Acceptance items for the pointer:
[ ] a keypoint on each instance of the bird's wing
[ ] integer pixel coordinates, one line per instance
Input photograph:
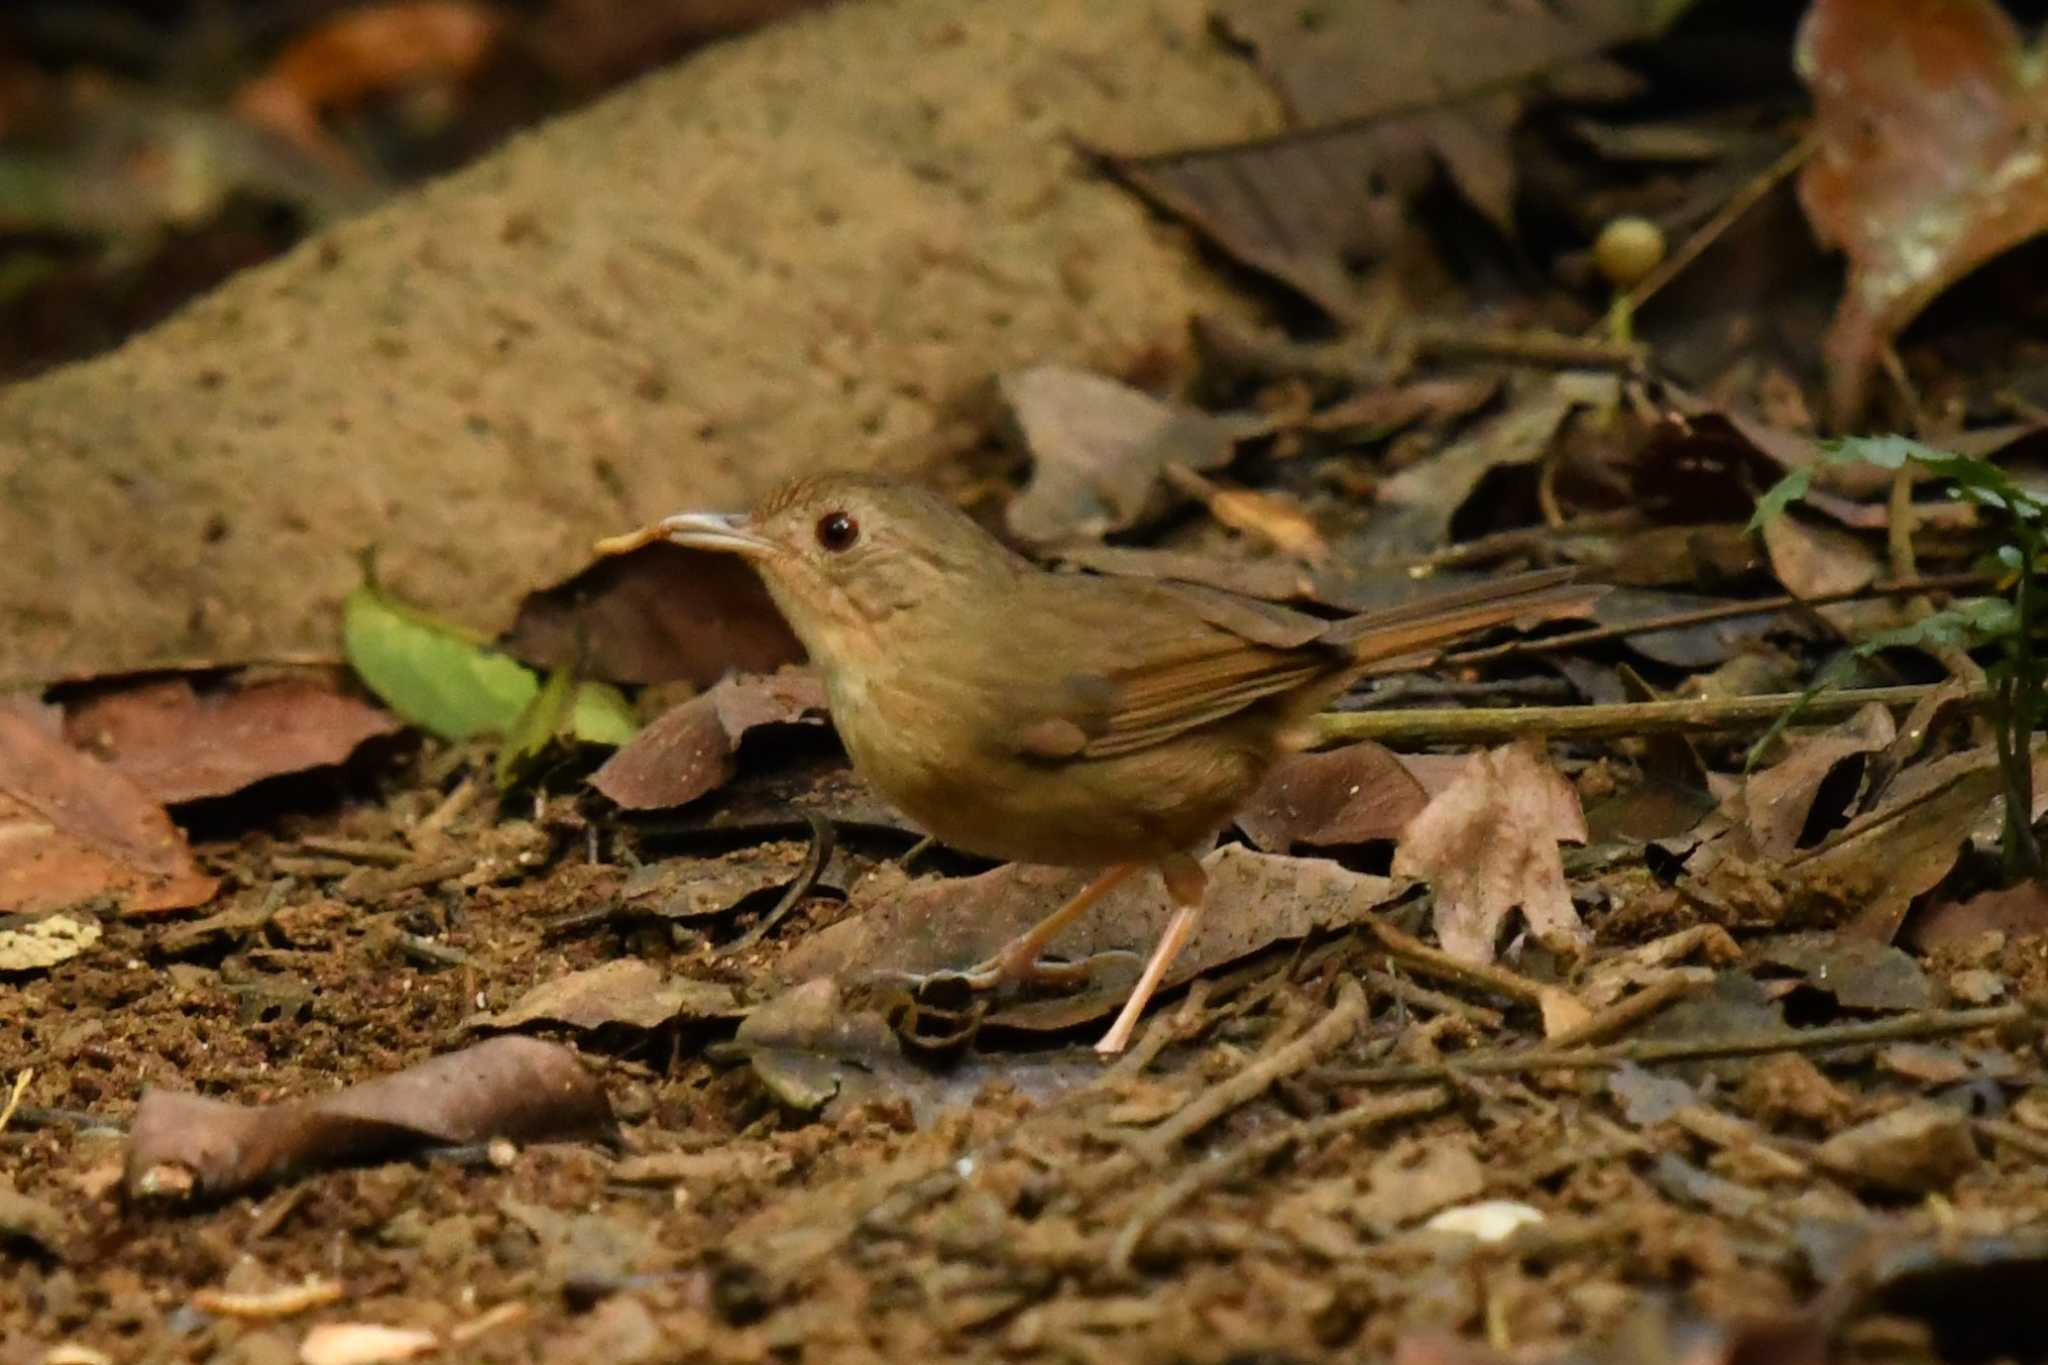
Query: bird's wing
(1172, 670)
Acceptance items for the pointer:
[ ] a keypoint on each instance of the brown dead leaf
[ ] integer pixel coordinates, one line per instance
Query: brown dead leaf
(1294, 207)
(938, 924)
(660, 613)
(1448, 93)
(808, 1046)
(1416, 506)
(1341, 796)
(689, 749)
(518, 1088)
(1869, 872)
(357, 54)
(74, 829)
(1488, 844)
(1271, 518)
(627, 990)
(1813, 560)
(1777, 805)
(699, 888)
(1100, 450)
(2017, 912)
(177, 745)
(1315, 53)
(1861, 975)
(1929, 115)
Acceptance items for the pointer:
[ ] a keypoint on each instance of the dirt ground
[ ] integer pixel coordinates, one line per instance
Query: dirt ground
(1251, 1183)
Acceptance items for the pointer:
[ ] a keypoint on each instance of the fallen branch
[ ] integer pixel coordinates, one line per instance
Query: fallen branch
(1699, 715)
(1649, 1051)
(1156, 1144)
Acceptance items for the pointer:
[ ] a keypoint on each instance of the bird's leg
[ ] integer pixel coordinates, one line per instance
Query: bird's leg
(1185, 883)
(1018, 959)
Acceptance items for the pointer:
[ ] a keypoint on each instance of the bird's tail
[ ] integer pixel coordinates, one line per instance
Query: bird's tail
(1410, 635)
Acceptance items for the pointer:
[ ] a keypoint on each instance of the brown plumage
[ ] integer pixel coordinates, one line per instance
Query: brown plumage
(1044, 717)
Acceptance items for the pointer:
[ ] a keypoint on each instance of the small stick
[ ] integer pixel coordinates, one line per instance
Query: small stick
(1333, 1030)
(14, 1094)
(1710, 231)
(1905, 1028)
(356, 850)
(1436, 962)
(822, 838)
(1696, 715)
(1218, 1169)
(1530, 348)
(1625, 1013)
(1726, 611)
(1406, 991)
(1153, 1146)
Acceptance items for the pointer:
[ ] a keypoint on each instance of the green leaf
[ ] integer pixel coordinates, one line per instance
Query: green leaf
(434, 674)
(1779, 496)
(1887, 452)
(602, 715)
(530, 735)
(1964, 625)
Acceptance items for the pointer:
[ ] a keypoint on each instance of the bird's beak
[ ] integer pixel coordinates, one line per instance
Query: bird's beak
(725, 532)
(731, 532)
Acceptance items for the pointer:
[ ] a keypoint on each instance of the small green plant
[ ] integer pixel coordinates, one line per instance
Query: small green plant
(2016, 702)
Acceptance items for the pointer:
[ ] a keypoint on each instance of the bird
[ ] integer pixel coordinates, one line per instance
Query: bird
(1025, 714)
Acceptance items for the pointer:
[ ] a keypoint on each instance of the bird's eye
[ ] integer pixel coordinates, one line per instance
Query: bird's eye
(837, 531)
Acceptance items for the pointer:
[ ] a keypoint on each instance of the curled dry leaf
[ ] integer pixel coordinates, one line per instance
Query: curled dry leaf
(808, 1046)
(939, 924)
(1341, 796)
(75, 829)
(177, 745)
(1929, 119)
(660, 613)
(689, 749)
(511, 1087)
(1489, 843)
(1099, 450)
(1777, 805)
(625, 991)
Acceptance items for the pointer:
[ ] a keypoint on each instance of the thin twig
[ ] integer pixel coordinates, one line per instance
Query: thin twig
(1439, 342)
(1218, 1169)
(1408, 993)
(822, 839)
(1432, 961)
(1153, 1146)
(1710, 231)
(1626, 1013)
(1725, 611)
(1695, 715)
(1648, 1051)
(14, 1095)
